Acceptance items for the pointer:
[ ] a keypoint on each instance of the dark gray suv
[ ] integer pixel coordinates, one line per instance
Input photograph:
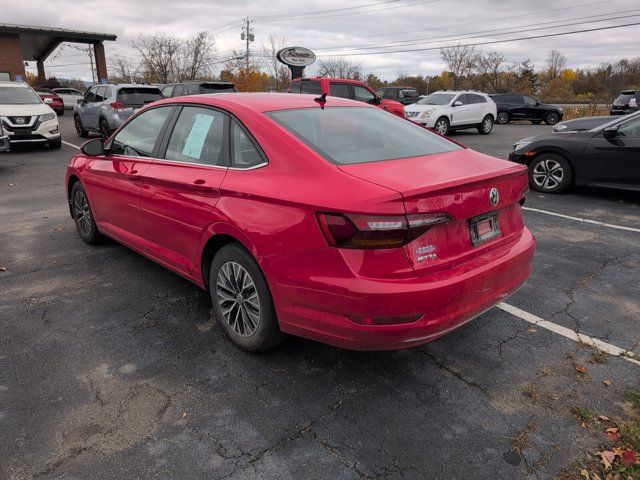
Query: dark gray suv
(105, 107)
(197, 87)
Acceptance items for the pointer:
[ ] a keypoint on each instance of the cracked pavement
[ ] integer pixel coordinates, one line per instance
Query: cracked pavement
(112, 367)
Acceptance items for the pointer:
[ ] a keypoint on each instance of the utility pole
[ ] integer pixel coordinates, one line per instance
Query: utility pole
(248, 36)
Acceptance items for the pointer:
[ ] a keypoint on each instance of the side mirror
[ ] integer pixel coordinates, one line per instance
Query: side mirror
(93, 147)
(376, 100)
(80, 100)
(610, 132)
(48, 101)
(457, 103)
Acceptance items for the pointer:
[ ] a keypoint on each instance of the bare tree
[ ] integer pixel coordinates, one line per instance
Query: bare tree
(195, 57)
(274, 67)
(340, 68)
(555, 64)
(158, 55)
(459, 60)
(490, 67)
(122, 70)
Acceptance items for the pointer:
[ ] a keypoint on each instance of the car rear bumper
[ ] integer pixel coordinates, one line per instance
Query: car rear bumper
(320, 307)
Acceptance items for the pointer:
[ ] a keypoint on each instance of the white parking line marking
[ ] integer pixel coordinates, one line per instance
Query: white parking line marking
(71, 144)
(583, 220)
(568, 333)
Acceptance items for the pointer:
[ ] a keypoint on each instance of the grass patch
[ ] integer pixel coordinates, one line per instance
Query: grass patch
(585, 415)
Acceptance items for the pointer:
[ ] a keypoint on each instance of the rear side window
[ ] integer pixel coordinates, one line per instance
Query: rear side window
(138, 137)
(197, 137)
(244, 153)
(136, 96)
(349, 135)
(476, 98)
(339, 90)
(178, 90)
(310, 87)
(167, 91)
(295, 87)
(192, 89)
(515, 99)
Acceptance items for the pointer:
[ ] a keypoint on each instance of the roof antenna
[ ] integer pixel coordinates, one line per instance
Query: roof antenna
(322, 99)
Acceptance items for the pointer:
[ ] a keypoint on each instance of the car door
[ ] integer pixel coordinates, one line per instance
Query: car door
(338, 89)
(183, 185)
(86, 105)
(616, 160)
(92, 113)
(114, 181)
(461, 114)
(532, 111)
(517, 107)
(477, 108)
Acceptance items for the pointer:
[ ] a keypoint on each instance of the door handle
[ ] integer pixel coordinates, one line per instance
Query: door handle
(133, 177)
(200, 186)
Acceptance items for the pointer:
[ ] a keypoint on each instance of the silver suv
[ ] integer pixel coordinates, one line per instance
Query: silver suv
(105, 107)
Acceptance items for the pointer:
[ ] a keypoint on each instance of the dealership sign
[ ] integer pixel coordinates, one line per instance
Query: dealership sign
(296, 56)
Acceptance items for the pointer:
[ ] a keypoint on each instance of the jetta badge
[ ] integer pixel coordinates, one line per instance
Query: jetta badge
(494, 196)
(20, 120)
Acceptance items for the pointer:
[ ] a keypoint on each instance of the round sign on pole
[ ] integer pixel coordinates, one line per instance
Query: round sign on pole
(296, 56)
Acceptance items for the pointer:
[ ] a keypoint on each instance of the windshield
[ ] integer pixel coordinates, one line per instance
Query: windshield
(620, 119)
(623, 99)
(348, 135)
(138, 96)
(18, 96)
(437, 99)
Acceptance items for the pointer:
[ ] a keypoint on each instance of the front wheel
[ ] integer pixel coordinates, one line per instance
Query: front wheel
(552, 118)
(83, 215)
(441, 126)
(486, 126)
(105, 131)
(242, 301)
(503, 117)
(550, 173)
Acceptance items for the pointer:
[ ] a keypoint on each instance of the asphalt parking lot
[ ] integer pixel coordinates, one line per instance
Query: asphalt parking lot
(111, 366)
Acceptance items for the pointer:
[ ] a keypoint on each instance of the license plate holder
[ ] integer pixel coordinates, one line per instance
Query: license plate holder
(484, 227)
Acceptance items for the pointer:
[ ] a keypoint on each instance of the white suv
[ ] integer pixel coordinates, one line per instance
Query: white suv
(447, 110)
(25, 117)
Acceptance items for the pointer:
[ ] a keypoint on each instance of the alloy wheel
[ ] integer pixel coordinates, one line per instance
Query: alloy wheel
(552, 118)
(441, 127)
(548, 174)
(238, 298)
(487, 125)
(503, 117)
(82, 213)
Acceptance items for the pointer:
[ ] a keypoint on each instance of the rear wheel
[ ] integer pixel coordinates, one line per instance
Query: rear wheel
(442, 126)
(80, 130)
(242, 301)
(83, 215)
(486, 126)
(550, 173)
(503, 117)
(552, 118)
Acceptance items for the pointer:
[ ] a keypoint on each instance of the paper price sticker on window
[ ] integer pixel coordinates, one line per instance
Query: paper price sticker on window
(197, 136)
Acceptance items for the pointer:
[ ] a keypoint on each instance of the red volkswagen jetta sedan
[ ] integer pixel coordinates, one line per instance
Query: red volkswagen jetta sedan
(334, 220)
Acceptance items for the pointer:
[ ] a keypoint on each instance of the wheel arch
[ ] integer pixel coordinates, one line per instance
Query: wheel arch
(563, 153)
(73, 179)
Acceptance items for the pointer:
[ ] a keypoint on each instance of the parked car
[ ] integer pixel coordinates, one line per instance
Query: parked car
(447, 110)
(69, 96)
(26, 118)
(197, 88)
(404, 95)
(105, 107)
(417, 236)
(605, 156)
(52, 99)
(627, 102)
(345, 88)
(518, 106)
(581, 124)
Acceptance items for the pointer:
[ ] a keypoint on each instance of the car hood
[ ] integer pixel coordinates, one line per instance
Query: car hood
(24, 110)
(414, 107)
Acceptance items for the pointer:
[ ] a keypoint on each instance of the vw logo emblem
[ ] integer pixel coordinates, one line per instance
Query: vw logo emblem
(20, 120)
(494, 196)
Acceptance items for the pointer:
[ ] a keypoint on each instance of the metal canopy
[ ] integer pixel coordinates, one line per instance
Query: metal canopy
(37, 43)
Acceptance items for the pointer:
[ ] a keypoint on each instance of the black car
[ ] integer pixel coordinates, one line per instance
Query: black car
(404, 95)
(580, 124)
(627, 102)
(606, 156)
(518, 106)
(197, 88)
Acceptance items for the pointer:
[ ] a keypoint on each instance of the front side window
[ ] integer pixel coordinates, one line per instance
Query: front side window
(340, 90)
(167, 91)
(138, 137)
(530, 101)
(388, 94)
(630, 129)
(463, 99)
(310, 87)
(244, 153)
(363, 94)
(476, 98)
(90, 96)
(100, 94)
(18, 96)
(436, 99)
(197, 137)
(192, 89)
(349, 135)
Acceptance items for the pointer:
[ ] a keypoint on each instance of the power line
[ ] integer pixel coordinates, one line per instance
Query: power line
(267, 17)
(507, 40)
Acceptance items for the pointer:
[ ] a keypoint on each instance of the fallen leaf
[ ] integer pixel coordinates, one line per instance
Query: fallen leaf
(581, 369)
(3, 269)
(583, 424)
(584, 474)
(58, 229)
(184, 414)
(613, 434)
(12, 184)
(532, 330)
(606, 458)
(606, 382)
(630, 457)
(603, 418)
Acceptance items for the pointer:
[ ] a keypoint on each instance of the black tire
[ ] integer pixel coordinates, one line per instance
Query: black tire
(552, 118)
(83, 215)
(550, 173)
(55, 144)
(250, 325)
(105, 130)
(80, 130)
(503, 117)
(61, 113)
(486, 126)
(442, 126)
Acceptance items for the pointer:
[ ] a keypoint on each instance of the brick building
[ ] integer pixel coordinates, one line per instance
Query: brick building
(22, 43)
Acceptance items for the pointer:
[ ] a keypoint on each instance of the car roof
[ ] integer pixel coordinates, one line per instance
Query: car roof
(200, 82)
(460, 91)
(343, 80)
(627, 92)
(263, 102)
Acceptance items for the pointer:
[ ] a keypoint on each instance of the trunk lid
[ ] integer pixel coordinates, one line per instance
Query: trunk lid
(458, 183)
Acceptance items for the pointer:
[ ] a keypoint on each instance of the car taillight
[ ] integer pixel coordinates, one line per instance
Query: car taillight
(346, 230)
(118, 106)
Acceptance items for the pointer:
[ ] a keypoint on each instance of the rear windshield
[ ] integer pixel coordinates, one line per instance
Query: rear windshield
(437, 99)
(213, 88)
(18, 96)
(136, 96)
(623, 99)
(349, 135)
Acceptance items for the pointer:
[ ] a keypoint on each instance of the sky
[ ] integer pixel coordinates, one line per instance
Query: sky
(372, 29)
